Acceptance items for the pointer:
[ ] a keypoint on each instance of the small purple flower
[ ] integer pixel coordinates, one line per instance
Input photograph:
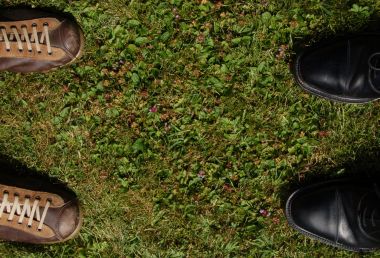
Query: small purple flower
(202, 174)
(153, 109)
(264, 213)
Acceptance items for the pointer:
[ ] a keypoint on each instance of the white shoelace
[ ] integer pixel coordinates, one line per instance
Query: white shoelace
(24, 210)
(24, 37)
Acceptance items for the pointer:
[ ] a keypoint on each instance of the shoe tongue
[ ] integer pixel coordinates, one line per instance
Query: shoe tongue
(369, 216)
(374, 71)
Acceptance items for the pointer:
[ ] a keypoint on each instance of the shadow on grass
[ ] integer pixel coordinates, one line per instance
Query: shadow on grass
(12, 171)
(372, 27)
(10, 167)
(365, 165)
(24, 11)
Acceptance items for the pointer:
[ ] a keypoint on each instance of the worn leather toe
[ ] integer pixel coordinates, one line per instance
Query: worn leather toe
(70, 38)
(70, 220)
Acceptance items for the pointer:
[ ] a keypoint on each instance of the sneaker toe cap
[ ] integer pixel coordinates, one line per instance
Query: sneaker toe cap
(71, 38)
(70, 220)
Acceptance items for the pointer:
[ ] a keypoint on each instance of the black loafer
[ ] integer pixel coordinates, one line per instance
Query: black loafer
(346, 70)
(342, 213)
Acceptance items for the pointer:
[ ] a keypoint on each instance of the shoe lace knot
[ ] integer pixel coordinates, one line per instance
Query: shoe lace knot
(23, 35)
(27, 209)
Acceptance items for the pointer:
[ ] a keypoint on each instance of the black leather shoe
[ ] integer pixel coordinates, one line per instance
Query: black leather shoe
(347, 70)
(342, 213)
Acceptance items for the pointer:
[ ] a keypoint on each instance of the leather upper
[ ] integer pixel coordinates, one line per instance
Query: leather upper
(65, 39)
(343, 213)
(63, 217)
(342, 70)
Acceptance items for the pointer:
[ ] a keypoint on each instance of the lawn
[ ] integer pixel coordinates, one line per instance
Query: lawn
(181, 128)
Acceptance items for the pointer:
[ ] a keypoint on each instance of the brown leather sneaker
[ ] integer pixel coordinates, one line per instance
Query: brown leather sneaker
(33, 40)
(35, 210)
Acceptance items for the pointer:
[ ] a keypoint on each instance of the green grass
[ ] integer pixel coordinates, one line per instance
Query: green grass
(182, 121)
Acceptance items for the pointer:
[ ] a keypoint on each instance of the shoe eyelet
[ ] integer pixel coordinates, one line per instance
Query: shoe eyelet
(24, 26)
(16, 194)
(8, 50)
(5, 192)
(37, 198)
(34, 25)
(29, 226)
(30, 51)
(46, 24)
(27, 196)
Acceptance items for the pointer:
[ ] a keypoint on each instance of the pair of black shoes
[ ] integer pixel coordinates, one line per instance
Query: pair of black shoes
(342, 213)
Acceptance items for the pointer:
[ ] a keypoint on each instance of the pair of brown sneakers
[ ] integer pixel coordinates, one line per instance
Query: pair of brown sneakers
(34, 209)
